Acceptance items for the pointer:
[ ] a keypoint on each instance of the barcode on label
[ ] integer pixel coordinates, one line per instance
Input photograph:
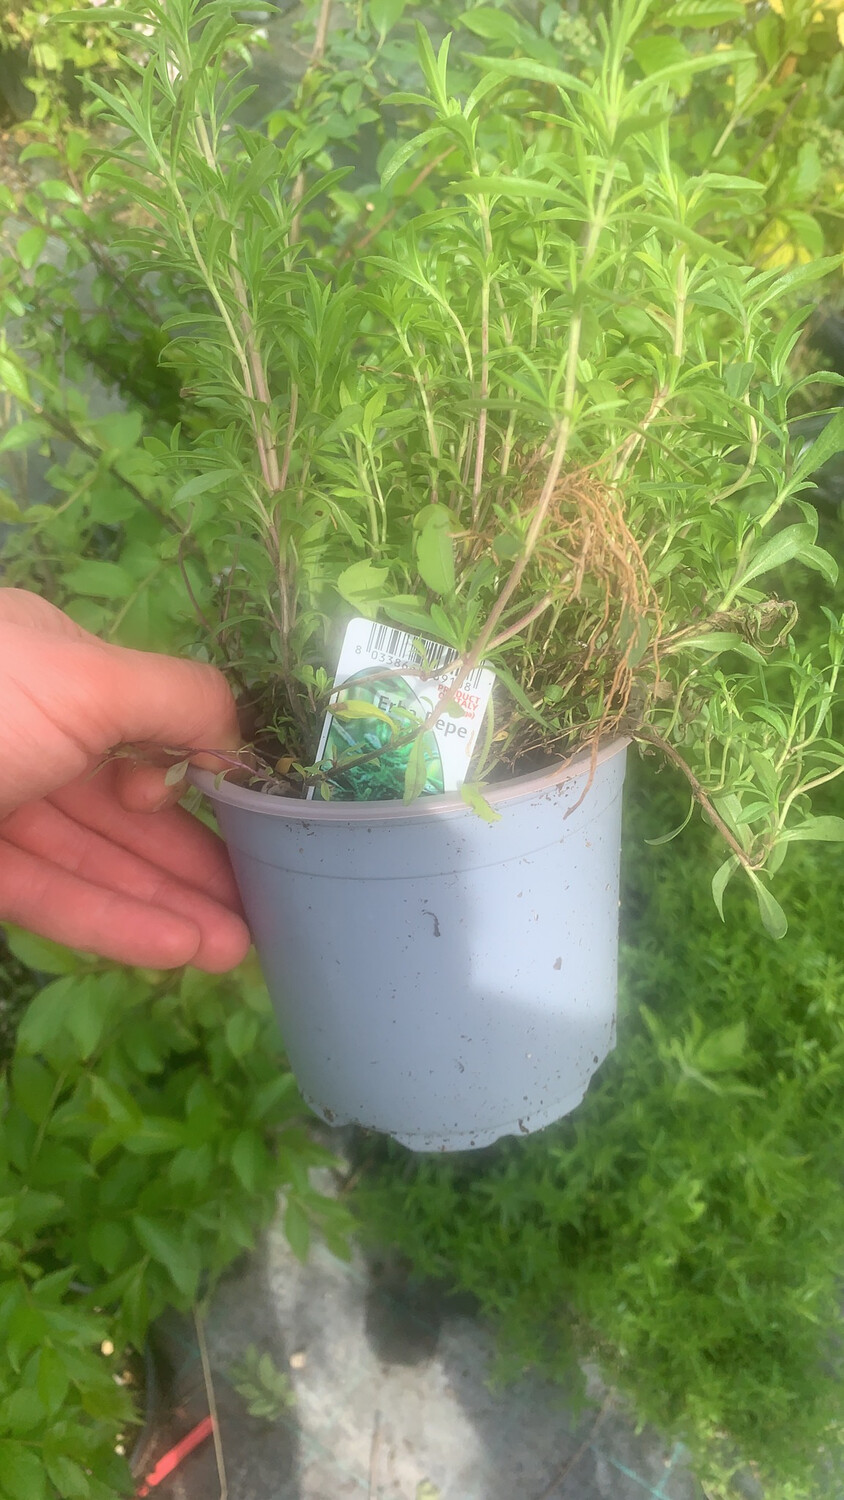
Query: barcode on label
(416, 651)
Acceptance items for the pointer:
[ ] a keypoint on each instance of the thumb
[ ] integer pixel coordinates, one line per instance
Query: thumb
(142, 787)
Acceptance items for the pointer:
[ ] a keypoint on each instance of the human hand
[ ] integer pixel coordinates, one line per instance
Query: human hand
(97, 858)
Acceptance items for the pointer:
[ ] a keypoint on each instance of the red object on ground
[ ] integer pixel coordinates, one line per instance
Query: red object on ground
(180, 1451)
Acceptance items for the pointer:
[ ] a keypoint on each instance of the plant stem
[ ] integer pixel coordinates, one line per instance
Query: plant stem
(248, 353)
(317, 54)
(652, 737)
(777, 126)
(808, 786)
(480, 446)
(65, 429)
(199, 1324)
(291, 433)
(381, 223)
(740, 114)
(522, 624)
(564, 431)
(257, 390)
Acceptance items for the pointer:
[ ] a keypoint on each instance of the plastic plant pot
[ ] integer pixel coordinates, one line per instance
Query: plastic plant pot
(442, 979)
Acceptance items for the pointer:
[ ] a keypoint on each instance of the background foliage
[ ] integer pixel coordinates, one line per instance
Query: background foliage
(648, 615)
(686, 1225)
(147, 1125)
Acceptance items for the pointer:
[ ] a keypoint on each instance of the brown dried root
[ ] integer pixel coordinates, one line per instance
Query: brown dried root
(588, 544)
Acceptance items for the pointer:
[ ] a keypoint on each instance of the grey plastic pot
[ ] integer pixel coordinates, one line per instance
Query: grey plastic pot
(436, 977)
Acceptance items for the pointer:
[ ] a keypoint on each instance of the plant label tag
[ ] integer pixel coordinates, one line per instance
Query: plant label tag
(401, 677)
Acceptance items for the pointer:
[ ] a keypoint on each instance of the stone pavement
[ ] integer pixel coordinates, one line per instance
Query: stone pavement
(391, 1400)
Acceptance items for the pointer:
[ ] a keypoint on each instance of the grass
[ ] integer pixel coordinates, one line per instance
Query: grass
(687, 1223)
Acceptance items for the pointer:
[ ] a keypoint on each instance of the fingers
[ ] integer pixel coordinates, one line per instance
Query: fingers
(172, 839)
(68, 700)
(166, 701)
(20, 607)
(217, 938)
(58, 905)
(142, 788)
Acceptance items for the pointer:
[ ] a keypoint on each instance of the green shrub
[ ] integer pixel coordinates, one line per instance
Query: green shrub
(48, 50)
(147, 1124)
(686, 1223)
(547, 423)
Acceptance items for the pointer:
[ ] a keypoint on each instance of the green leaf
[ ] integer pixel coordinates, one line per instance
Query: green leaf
(385, 13)
(33, 1086)
(472, 795)
(10, 511)
(358, 708)
(782, 548)
(191, 1165)
(176, 773)
(38, 151)
(807, 230)
(297, 1229)
(713, 642)
(52, 1380)
(828, 443)
(809, 172)
(435, 551)
(737, 378)
(821, 561)
(30, 246)
(721, 879)
(416, 771)
(156, 1135)
(773, 917)
(202, 483)
(516, 188)
(403, 153)
(492, 25)
(57, 190)
(99, 580)
(779, 283)
(87, 1015)
(409, 610)
(70, 1480)
(22, 1474)
(34, 1210)
(655, 52)
(667, 838)
(165, 1242)
(517, 692)
(21, 434)
(40, 954)
(724, 1049)
(108, 1243)
(13, 378)
(644, 124)
(241, 1032)
(827, 829)
(249, 1158)
(702, 14)
(361, 583)
(21, 1412)
(119, 430)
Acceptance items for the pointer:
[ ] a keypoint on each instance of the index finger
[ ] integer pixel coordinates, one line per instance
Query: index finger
(168, 701)
(100, 696)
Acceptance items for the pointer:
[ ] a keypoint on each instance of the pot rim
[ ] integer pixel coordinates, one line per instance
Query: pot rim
(448, 803)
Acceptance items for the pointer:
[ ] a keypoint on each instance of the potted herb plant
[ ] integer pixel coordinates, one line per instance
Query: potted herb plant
(538, 422)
